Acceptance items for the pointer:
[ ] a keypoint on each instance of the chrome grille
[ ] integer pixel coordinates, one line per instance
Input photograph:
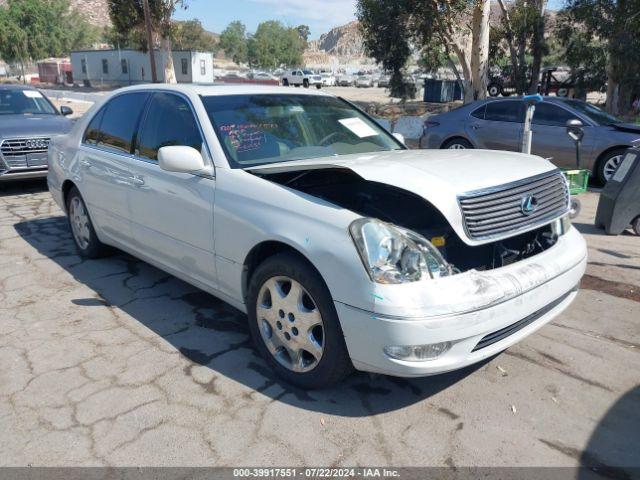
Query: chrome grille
(24, 152)
(502, 210)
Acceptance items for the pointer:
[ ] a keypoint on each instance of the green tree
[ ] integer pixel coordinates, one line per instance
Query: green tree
(273, 45)
(190, 35)
(518, 41)
(127, 17)
(615, 26)
(233, 40)
(392, 29)
(31, 30)
(304, 32)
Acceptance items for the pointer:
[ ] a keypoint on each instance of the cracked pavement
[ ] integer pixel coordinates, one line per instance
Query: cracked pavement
(114, 362)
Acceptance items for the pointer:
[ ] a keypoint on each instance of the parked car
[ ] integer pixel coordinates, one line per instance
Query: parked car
(497, 125)
(328, 79)
(345, 248)
(306, 78)
(262, 76)
(364, 81)
(383, 81)
(28, 121)
(345, 80)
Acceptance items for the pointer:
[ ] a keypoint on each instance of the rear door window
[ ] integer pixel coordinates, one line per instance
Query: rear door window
(169, 121)
(548, 114)
(479, 112)
(120, 121)
(92, 133)
(504, 111)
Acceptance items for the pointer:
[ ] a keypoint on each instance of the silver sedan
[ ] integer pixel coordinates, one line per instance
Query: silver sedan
(498, 124)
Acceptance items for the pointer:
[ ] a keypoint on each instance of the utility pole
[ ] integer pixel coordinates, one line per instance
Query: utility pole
(147, 22)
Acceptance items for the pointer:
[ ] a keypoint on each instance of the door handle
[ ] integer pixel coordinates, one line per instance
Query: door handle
(137, 181)
(476, 127)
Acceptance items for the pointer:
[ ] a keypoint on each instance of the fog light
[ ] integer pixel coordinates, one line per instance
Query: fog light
(417, 353)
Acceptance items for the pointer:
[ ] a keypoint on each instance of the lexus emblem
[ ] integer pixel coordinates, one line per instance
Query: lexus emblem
(529, 204)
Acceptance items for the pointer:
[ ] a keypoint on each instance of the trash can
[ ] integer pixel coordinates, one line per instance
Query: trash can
(442, 91)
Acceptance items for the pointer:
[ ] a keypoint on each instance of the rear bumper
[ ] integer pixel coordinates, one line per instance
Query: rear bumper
(483, 326)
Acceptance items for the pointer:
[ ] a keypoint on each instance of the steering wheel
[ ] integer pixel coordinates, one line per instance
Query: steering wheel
(326, 139)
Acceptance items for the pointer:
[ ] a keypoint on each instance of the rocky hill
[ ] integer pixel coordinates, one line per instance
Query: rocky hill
(343, 41)
(95, 11)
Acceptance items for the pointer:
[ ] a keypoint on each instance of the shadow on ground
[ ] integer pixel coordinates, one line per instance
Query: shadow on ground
(19, 187)
(209, 332)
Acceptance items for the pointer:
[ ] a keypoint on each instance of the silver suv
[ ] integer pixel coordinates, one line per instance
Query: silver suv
(28, 120)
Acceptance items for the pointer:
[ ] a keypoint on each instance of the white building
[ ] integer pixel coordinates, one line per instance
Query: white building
(128, 67)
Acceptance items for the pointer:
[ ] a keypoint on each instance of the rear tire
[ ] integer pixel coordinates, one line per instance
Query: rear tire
(457, 144)
(493, 89)
(635, 224)
(318, 86)
(279, 324)
(82, 231)
(305, 83)
(285, 82)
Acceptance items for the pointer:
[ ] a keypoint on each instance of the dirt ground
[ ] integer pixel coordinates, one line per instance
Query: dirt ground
(113, 362)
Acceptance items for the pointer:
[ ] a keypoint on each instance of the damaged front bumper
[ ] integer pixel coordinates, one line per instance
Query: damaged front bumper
(478, 313)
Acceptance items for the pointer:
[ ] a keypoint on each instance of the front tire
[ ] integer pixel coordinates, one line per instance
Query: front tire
(285, 83)
(294, 324)
(305, 83)
(84, 235)
(457, 144)
(608, 164)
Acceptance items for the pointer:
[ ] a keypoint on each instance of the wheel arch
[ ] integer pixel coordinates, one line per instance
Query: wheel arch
(67, 185)
(261, 252)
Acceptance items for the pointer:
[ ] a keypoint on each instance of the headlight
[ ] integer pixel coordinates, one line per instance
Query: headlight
(394, 255)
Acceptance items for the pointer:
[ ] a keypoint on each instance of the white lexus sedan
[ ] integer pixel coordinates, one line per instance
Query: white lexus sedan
(345, 249)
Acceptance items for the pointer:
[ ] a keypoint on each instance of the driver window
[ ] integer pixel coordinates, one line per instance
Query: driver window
(169, 121)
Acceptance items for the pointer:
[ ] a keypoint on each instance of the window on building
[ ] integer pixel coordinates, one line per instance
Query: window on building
(157, 132)
(120, 120)
(124, 66)
(83, 65)
(105, 66)
(203, 67)
(185, 66)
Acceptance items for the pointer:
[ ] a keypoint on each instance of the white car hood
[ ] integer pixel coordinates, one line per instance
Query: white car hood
(438, 176)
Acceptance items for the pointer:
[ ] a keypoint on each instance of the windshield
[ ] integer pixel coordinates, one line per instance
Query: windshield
(24, 102)
(594, 113)
(262, 129)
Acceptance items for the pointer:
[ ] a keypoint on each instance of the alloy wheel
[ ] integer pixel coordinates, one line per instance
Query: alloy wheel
(290, 324)
(611, 166)
(456, 146)
(79, 223)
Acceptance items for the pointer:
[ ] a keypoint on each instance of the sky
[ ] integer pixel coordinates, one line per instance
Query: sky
(320, 15)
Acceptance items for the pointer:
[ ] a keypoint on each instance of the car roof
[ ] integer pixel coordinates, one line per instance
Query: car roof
(207, 90)
(13, 86)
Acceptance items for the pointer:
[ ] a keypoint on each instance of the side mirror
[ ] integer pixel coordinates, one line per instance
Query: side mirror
(66, 111)
(399, 137)
(180, 159)
(575, 130)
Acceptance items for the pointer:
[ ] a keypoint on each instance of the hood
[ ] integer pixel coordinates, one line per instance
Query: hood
(12, 126)
(438, 176)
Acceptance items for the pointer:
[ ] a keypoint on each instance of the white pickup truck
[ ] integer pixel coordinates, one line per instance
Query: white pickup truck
(298, 77)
